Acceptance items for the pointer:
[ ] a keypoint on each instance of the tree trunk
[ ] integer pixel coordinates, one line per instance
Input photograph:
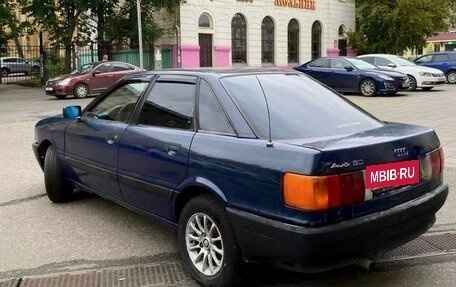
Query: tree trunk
(20, 52)
(67, 58)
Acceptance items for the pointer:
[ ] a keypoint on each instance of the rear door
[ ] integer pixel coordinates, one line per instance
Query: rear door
(153, 153)
(92, 142)
(119, 70)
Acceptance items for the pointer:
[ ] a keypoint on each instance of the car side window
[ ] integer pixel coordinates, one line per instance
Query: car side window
(382, 62)
(118, 67)
(424, 59)
(320, 63)
(169, 105)
(210, 113)
(452, 56)
(338, 64)
(440, 58)
(119, 104)
(103, 68)
(370, 60)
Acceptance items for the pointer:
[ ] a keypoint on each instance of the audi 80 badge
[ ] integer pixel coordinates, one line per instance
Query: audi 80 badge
(248, 166)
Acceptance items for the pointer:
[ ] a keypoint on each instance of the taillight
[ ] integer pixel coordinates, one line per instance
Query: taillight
(431, 164)
(316, 193)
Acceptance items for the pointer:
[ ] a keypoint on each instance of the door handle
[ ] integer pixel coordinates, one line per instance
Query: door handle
(173, 148)
(111, 138)
(110, 76)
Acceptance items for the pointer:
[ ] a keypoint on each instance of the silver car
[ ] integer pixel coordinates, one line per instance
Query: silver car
(16, 65)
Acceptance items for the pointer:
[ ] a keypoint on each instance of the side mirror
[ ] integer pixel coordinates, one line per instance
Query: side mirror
(391, 65)
(96, 72)
(72, 112)
(348, 68)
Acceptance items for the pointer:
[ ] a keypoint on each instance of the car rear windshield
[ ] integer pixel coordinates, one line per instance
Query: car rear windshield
(299, 107)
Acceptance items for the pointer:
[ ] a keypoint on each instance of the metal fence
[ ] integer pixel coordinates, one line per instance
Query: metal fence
(34, 64)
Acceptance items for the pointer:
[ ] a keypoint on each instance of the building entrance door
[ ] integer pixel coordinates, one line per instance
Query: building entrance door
(205, 43)
(342, 47)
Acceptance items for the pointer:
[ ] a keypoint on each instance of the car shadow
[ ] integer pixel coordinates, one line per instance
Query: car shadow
(261, 275)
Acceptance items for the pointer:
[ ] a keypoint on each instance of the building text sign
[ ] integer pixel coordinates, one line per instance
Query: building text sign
(303, 4)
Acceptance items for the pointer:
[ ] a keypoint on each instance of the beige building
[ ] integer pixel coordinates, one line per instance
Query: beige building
(225, 33)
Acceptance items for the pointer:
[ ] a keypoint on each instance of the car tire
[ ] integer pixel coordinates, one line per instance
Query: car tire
(5, 72)
(61, 97)
(412, 81)
(427, 88)
(451, 77)
(210, 262)
(57, 187)
(81, 91)
(368, 88)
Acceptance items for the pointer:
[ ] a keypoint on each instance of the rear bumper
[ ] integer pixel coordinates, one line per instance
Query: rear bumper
(317, 249)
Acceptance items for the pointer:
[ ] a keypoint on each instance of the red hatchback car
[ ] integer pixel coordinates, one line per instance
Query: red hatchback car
(89, 80)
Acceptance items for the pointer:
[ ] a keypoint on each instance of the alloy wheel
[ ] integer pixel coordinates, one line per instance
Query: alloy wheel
(204, 244)
(368, 88)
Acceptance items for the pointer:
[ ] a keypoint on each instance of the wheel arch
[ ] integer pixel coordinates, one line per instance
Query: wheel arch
(192, 188)
(42, 148)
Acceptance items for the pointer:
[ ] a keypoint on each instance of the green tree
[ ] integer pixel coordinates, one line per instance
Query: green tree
(392, 26)
(122, 25)
(64, 21)
(9, 21)
(71, 22)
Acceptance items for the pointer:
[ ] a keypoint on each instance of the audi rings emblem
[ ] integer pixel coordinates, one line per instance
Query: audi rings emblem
(400, 152)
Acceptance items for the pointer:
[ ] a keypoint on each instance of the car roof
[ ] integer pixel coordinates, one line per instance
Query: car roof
(214, 72)
(380, 55)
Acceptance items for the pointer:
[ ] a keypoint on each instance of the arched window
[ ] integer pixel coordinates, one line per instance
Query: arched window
(316, 40)
(267, 41)
(239, 39)
(204, 21)
(293, 41)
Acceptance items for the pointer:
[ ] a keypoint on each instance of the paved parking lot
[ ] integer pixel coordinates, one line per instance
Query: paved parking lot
(38, 237)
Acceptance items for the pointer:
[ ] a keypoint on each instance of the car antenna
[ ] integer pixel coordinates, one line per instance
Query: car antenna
(269, 144)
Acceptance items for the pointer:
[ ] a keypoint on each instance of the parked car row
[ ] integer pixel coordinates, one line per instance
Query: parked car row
(372, 74)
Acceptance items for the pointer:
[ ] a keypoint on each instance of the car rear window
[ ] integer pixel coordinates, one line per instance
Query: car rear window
(299, 107)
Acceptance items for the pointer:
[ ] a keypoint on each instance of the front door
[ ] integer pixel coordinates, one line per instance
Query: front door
(153, 153)
(92, 142)
(205, 43)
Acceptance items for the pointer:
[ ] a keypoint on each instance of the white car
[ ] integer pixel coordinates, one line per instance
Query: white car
(420, 77)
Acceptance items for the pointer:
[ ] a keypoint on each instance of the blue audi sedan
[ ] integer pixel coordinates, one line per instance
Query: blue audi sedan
(353, 75)
(248, 166)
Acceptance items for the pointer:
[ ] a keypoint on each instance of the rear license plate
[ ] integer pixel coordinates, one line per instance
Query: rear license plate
(48, 89)
(392, 174)
(442, 79)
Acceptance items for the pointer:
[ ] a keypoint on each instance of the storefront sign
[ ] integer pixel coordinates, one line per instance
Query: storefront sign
(302, 4)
